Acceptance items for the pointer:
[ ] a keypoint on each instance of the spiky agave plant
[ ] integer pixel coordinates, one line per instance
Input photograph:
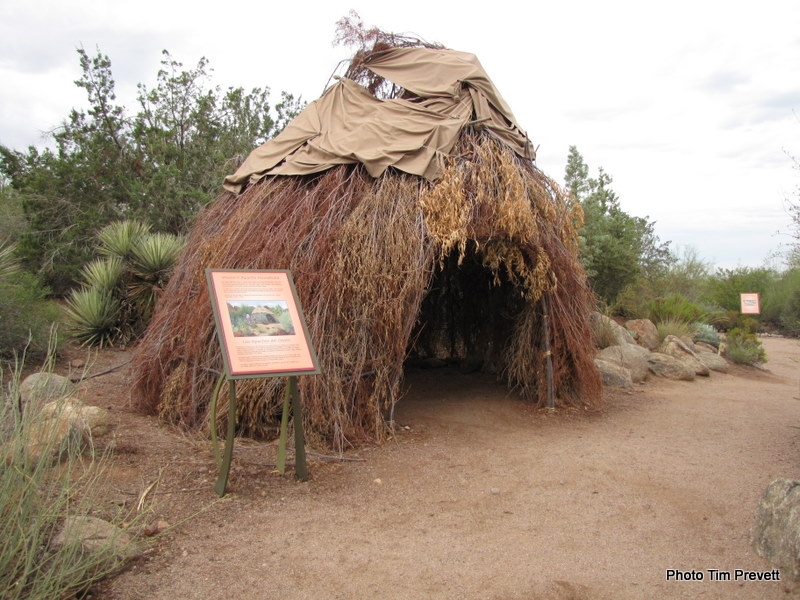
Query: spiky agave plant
(151, 265)
(104, 273)
(120, 238)
(94, 316)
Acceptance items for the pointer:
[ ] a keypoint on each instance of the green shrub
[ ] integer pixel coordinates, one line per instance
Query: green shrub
(36, 495)
(26, 315)
(676, 308)
(747, 324)
(781, 306)
(744, 348)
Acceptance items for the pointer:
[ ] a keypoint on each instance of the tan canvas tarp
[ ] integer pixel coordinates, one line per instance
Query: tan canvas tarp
(448, 89)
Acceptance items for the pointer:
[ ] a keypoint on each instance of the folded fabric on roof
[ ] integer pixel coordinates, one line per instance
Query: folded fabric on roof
(445, 90)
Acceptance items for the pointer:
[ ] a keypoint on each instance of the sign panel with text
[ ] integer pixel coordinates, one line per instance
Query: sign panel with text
(260, 323)
(750, 304)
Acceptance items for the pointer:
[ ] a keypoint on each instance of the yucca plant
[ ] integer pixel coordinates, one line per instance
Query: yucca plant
(94, 315)
(120, 238)
(104, 273)
(120, 290)
(152, 261)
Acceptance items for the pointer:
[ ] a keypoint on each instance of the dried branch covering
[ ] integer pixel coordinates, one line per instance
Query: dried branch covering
(363, 253)
(351, 31)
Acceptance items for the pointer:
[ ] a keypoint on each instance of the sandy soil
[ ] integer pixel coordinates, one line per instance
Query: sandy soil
(478, 496)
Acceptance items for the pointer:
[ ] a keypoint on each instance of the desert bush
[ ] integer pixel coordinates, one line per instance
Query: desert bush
(703, 332)
(725, 287)
(675, 308)
(26, 315)
(744, 348)
(781, 304)
(747, 324)
(37, 494)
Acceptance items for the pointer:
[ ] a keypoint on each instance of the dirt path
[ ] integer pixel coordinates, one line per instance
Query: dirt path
(479, 497)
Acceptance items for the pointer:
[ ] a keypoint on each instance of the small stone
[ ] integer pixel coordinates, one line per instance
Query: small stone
(495, 491)
(378, 481)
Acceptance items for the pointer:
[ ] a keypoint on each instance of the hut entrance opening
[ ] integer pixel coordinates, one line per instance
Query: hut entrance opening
(467, 316)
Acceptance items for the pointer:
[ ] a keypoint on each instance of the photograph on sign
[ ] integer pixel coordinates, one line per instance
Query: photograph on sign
(750, 304)
(260, 317)
(260, 323)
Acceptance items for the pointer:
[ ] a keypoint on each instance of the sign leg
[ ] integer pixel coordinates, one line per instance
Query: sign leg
(300, 468)
(225, 467)
(281, 466)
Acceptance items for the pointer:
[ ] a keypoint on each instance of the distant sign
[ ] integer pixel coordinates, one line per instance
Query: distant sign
(750, 304)
(260, 323)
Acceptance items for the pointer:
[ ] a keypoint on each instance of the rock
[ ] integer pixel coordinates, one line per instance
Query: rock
(618, 334)
(613, 375)
(155, 528)
(704, 347)
(677, 348)
(50, 438)
(90, 421)
(776, 533)
(106, 542)
(644, 332)
(669, 367)
(60, 425)
(631, 356)
(713, 361)
(39, 388)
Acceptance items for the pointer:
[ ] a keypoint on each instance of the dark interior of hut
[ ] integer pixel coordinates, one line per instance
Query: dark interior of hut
(466, 317)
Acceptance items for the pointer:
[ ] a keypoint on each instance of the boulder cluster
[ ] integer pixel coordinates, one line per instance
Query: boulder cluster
(636, 353)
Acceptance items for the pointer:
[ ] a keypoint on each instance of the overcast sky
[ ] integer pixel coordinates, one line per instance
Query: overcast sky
(691, 106)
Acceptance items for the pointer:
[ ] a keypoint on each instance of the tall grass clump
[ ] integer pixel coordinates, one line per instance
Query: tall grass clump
(673, 326)
(37, 495)
(120, 289)
(675, 308)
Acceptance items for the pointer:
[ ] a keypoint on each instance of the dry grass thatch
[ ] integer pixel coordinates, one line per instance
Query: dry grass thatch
(384, 268)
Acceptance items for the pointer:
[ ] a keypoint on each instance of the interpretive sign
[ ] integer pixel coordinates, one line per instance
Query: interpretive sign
(260, 323)
(263, 333)
(750, 304)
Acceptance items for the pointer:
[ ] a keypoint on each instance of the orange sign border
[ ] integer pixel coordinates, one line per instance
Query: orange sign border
(263, 353)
